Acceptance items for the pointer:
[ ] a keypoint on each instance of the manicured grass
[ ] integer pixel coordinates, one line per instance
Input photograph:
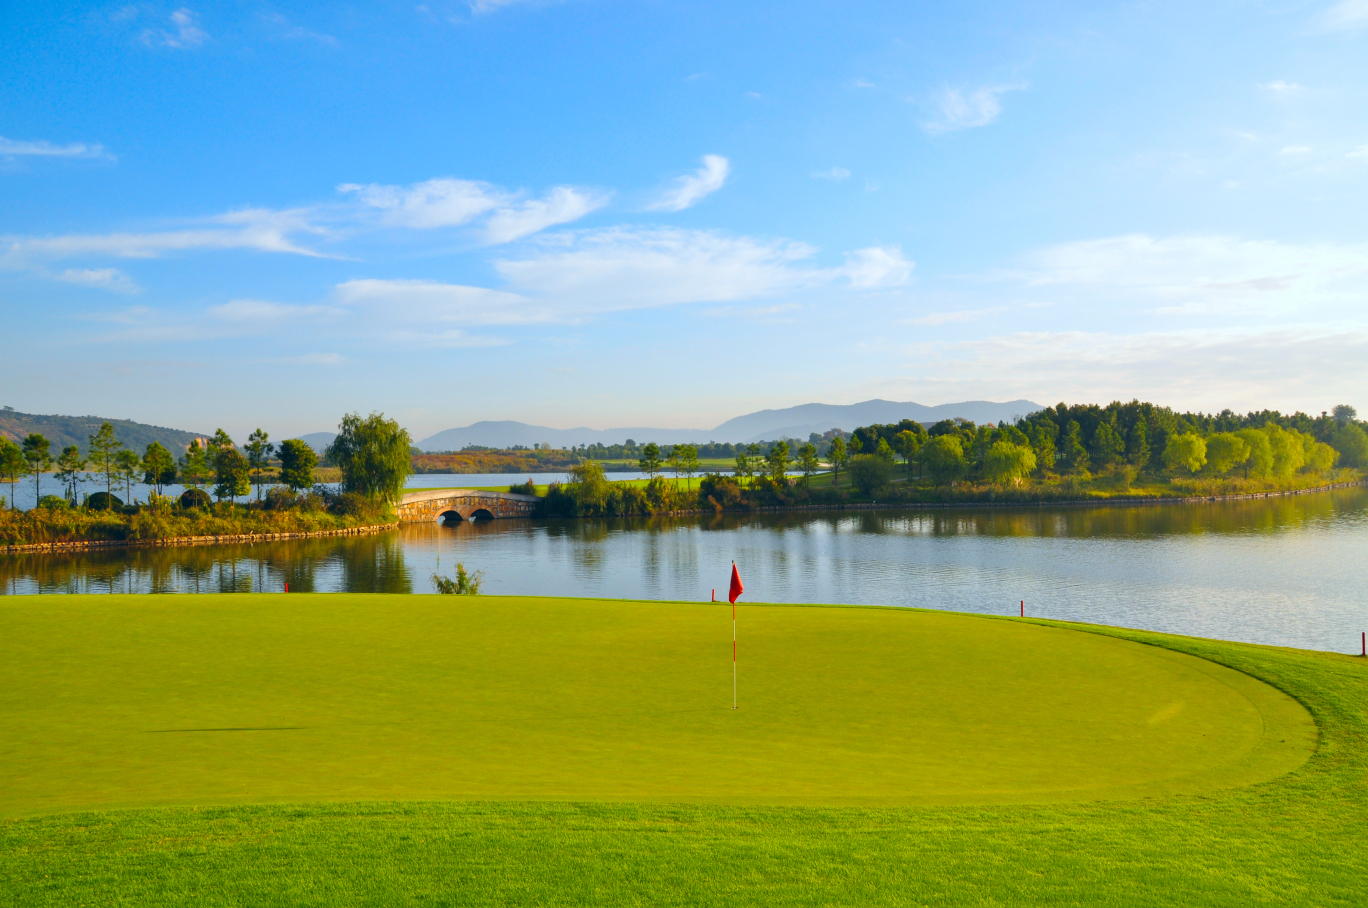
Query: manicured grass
(879, 757)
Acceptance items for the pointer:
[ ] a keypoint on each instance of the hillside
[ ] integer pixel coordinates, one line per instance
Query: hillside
(76, 430)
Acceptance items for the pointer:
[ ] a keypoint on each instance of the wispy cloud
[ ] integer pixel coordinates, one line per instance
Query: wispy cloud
(433, 301)
(877, 267)
(262, 312)
(101, 278)
(449, 202)
(443, 202)
(185, 32)
(958, 108)
(692, 187)
(40, 148)
(561, 205)
(1361, 152)
(1294, 150)
(835, 174)
(260, 229)
(1343, 16)
(285, 30)
(1282, 90)
(962, 315)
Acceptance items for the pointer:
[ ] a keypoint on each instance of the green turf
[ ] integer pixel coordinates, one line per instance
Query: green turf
(827, 787)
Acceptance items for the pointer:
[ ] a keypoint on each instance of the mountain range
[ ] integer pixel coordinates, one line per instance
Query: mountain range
(61, 431)
(764, 425)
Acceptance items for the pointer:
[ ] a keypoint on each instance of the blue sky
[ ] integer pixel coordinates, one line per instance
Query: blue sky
(653, 213)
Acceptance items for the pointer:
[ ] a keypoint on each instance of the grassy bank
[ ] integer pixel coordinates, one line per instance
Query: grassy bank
(137, 524)
(584, 752)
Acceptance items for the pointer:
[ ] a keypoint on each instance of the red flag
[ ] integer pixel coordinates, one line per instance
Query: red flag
(736, 588)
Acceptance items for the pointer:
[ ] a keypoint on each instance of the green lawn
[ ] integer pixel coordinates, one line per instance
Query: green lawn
(406, 750)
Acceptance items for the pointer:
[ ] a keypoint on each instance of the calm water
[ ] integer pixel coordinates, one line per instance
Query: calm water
(1289, 571)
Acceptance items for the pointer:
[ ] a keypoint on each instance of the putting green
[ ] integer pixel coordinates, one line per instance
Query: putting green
(122, 701)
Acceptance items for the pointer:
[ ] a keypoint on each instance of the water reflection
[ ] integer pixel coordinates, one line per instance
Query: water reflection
(1280, 570)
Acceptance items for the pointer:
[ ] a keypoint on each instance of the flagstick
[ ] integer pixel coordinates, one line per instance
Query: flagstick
(733, 655)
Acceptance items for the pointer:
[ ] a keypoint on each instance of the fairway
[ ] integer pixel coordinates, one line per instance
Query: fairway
(112, 701)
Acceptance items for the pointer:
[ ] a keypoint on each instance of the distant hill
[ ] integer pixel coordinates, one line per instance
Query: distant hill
(319, 441)
(765, 425)
(76, 430)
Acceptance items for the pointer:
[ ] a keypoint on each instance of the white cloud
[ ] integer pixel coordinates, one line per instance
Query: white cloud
(963, 315)
(962, 109)
(286, 31)
(1195, 274)
(1285, 368)
(417, 301)
(263, 312)
(1295, 150)
(1360, 152)
(835, 174)
(1344, 16)
(877, 267)
(260, 229)
(443, 202)
(631, 268)
(449, 202)
(1281, 89)
(690, 188)
(862, 83)
(186, 33)
(40, 148)
(561, 205)
(103, 278)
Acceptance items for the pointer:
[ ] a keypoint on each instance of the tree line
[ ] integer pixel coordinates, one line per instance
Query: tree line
(372, 452)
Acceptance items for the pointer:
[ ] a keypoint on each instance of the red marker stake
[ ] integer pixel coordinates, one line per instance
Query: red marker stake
(1365, 644)
(287, 587)
(1023, 608)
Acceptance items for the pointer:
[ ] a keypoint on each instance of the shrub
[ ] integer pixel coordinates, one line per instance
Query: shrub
(871, 473)
(103, 501)
(464, 585)
(53, 503)
(193, 498)
(524, 488)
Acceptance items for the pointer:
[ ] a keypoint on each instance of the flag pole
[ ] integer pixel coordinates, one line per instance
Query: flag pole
(733, 599)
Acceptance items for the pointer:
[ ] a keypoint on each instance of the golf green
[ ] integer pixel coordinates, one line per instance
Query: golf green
(134, 701)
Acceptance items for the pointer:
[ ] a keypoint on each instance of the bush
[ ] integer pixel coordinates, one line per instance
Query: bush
(53, 503)
(103, 501)
(197, 499)
(524, 488)
(280, 498)
(464, 585)
(870, 472)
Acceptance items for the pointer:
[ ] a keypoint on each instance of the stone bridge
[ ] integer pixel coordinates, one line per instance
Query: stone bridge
(466, 504)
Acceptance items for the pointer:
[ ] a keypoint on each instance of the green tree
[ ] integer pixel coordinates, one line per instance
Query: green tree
(1259, 464)
(1108, 445)
(649, 462)
(854, 446)
(870, 473)
(675, 460)
(1071, 449)
(943, 457)
(259, 450)
(1289, 454)
(590, 486)
(104, 451)
(885, 451)
(1137, 445)
(1352, 444)
(742, 469)
(230, 473)
(1006, 462)
(807, 461)
(128, 463)
(12, 465)
(1345, 414)
(195, 467)
(70, 466)
(837, 455)
(1320, 457)
(757, 462)
(297, 462)
(1224, 452)
(688, 460)
(908, 446)
(1042, 436)
(1185, 453)
(159, 467)
(777, 462)
(38, 459)
(374, 456)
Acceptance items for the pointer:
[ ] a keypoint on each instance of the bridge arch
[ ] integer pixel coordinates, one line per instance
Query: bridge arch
(464, 504)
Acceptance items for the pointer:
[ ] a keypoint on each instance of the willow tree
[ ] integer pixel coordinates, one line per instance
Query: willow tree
(374, 455)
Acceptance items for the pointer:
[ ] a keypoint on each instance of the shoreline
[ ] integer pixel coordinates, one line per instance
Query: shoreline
(249, 538)
(178, 541)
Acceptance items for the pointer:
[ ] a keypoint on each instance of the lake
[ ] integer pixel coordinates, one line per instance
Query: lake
(1290, 571)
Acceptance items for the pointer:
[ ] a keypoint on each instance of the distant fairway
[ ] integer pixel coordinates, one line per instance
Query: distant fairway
(113, 701)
